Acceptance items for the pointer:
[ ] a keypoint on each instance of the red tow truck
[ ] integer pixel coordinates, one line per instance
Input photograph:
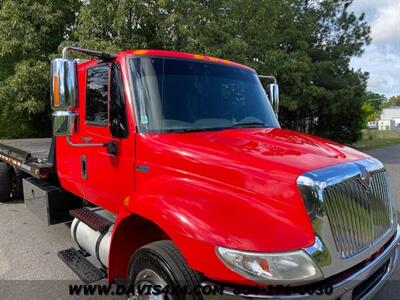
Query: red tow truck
(174, 171)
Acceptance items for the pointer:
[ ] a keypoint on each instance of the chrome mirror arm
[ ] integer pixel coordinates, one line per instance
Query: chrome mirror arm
(273, 78)
(100, 55)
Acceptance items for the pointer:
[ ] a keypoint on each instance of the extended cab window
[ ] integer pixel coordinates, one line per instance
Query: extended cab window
(97, 95)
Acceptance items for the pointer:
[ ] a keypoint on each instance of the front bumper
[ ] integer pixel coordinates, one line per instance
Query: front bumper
(363, 284)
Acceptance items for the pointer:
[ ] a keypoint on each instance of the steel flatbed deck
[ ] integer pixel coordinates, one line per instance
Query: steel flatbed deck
(33, 156)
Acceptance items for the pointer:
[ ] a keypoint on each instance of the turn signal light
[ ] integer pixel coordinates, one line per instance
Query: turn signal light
(56, 94)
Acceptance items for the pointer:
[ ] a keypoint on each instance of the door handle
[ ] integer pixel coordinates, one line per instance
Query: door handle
(83, 167)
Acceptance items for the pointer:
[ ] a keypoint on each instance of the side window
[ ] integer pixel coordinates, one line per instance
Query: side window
(97, 95)
(118, 122)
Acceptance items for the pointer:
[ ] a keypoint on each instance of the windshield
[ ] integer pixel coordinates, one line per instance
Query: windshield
(176, 95)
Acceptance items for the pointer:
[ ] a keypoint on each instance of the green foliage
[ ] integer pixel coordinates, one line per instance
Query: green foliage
(322, 95)
(376, 100)
(307, 44)
(371, 107)
(30, 31)
(370, 113)
(393, 101)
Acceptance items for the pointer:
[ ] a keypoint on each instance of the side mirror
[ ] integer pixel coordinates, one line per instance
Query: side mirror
(64, 85)
(273, 94)
(64, 95)
(63, 123)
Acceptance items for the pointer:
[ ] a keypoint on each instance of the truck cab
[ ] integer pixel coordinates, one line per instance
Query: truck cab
(189, 181)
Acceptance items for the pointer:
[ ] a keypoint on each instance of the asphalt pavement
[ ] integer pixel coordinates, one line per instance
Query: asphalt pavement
(390, 156)
(30, 268)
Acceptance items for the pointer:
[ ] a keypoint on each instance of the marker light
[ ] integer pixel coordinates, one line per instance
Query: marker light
(198, 56)
(140, 52)
(56, 94)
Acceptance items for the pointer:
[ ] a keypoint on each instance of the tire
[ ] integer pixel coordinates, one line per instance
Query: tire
(5, 182)
(17, 191)
(164, 260)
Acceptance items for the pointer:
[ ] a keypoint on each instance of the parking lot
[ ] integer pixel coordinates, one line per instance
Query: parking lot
(391, 158)
(30, 268)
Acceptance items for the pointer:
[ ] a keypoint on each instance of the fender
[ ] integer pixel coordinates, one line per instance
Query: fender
(201, 215)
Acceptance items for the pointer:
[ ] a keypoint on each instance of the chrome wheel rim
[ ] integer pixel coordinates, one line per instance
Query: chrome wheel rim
(145, 281)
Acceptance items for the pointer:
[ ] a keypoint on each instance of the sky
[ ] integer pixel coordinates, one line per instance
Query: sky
(382, 57)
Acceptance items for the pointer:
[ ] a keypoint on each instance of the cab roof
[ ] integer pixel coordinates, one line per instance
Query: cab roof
(176, 54)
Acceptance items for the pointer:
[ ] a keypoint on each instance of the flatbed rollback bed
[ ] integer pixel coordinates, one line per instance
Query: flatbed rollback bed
(33, 161)
(32, 156)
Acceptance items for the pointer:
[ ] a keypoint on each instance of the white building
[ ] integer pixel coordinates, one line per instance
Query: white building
(390, 118)
(386, 125)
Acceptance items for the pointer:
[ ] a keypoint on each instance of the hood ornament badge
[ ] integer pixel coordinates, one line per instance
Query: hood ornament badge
(365, 177)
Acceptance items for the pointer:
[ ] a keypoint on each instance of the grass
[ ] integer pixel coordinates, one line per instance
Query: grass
(376, 139)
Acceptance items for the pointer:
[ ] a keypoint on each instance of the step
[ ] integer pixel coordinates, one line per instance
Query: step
(91, 219)
(86, 271)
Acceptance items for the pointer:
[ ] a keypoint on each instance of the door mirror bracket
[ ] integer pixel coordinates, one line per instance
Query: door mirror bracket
(112, 148)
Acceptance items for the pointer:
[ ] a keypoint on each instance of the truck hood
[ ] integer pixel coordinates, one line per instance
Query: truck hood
(229, 175)
(236, 156)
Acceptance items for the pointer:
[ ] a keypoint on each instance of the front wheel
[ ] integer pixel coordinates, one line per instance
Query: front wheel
(159, 271)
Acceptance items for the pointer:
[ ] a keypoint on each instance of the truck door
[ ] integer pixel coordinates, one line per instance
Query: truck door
(107, 172)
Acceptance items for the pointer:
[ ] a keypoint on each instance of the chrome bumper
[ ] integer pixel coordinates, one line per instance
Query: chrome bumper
(344, 289)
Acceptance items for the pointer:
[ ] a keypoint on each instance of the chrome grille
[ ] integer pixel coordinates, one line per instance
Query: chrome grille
(358, 214)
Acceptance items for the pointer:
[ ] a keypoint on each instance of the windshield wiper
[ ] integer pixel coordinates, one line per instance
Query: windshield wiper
(249, 124)
(237, 125)
(192, 129)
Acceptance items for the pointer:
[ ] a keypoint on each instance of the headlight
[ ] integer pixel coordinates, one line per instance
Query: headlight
(295, 267)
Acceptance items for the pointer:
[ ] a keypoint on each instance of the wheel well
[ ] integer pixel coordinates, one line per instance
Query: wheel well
(131, 233)
(14, 170)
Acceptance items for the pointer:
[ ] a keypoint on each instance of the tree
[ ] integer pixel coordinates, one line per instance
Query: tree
(30, 31)
(393, 101)
(371, 107)
(307, 44)
(217, 28)
(322, 94)
(370, 114)
(376, 100)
